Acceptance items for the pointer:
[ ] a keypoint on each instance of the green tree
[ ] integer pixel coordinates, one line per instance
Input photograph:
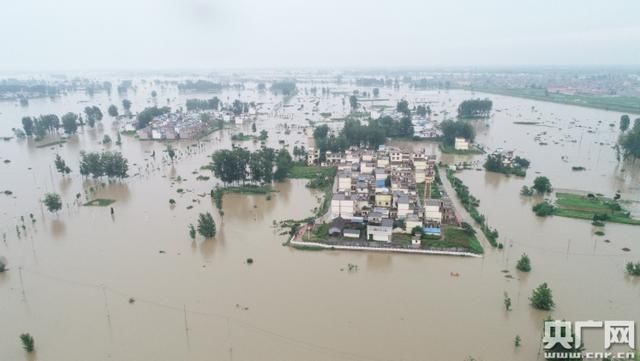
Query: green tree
(106, 139)
(126, 105)
(113, 110)
(192, 232)
(171, 152)
(475, 108)
(456, 129)
(284, 162)
(253, 127)
(206, 225)
(145, 116)
(28, 343)
(507, 302)
(517, 341)
(624, 122)
(110, 164)
(70, 123)
(154, 93)
(27, 125)
(353, 102)
(542, 298)
(93, 114)
(630, 143)
(633, 269)
(61, 165)
(542, 185)
(53, 202)
(403, 107)
(524, 263)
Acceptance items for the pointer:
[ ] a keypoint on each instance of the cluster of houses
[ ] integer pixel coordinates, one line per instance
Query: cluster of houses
(382, 193)
(173, 126)
(185, 125)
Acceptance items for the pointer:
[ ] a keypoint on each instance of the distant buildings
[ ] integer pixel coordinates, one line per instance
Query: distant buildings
(172, 126)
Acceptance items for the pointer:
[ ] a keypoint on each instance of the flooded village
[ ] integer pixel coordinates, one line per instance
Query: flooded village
(307, 216)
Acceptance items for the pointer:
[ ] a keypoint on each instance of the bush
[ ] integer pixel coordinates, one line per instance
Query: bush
(524, 264)
(633, 269)
(543, 209)
(542, 298)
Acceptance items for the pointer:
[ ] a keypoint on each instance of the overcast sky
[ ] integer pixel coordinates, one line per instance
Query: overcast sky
(214, 34)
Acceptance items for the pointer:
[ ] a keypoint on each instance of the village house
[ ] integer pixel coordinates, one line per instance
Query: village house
(461, 144)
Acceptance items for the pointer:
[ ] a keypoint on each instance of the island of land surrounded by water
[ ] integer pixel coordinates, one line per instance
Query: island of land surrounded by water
(117, 256)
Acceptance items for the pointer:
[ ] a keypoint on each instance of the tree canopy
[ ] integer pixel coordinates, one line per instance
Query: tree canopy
(542, 298)
(475, 108)
(53, 202)
(110, 164)
(456, 129)
(70, 123)
(206, 225)
(145, 116)
(203, 104)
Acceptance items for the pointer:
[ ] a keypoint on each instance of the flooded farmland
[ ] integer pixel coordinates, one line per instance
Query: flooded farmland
(133, 286)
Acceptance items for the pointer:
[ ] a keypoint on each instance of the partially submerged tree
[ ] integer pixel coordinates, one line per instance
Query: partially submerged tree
(28, 343)
(206, 225)
(524, 263)
(61, 165)
(171, 152)
(53, 202)
(113, 110)
(542, 298)
(542, 185)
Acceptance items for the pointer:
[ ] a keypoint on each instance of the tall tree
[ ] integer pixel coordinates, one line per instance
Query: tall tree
(206, 225)
(624, 122)
(70, 123)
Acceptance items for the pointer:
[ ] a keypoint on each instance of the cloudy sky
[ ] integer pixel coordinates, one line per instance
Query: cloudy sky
(214, 34)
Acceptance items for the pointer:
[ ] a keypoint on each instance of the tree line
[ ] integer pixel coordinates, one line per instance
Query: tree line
(240, 165)
(98, 164)
(203, 104)
(475, 108)
(355, 133)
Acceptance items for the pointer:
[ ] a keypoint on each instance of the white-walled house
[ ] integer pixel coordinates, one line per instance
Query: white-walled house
(461, 144)
(342, 205)
(380, 232)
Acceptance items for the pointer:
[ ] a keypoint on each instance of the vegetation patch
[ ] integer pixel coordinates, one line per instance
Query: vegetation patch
(51, 144)
(454, 237)
(592, 207)
(100, 202)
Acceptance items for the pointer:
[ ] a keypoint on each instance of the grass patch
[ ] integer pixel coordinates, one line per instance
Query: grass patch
(309, 172)
(100, 202)
(447, 149)
(454, 237)
(319, 234)
(586, 207)
(608, 102)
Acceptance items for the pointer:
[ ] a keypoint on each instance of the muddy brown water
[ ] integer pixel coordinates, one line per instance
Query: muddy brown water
(72, 274)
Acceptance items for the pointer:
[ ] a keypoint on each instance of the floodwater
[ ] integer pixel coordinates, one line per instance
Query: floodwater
(72, 275)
